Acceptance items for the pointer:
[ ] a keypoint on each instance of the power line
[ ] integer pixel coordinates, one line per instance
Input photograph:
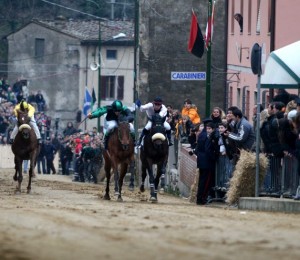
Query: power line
(74, 10)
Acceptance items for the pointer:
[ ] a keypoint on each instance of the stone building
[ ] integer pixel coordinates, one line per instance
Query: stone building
(55, 56)
(164, 35)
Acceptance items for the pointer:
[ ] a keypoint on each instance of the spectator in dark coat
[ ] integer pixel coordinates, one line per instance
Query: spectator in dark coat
(269, 133)
(69, 130)
(205, 151)
(49, 154)
(40, 101)
(31, 98)
(68, 158)
(41, 160)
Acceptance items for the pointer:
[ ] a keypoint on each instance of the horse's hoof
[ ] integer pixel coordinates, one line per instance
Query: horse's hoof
(162, 191)
(17, 192)
(142, 189)
(15, 178)
(131, 187)
(153, 199)
(28, 191)
(117, 193)
(106, 197)
(120, 199)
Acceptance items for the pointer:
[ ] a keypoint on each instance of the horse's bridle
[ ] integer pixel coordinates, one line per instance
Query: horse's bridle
(119, 132)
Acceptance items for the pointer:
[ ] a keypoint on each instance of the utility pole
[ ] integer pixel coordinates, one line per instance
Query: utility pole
(99, 75)
(136, 47)
(208, 63)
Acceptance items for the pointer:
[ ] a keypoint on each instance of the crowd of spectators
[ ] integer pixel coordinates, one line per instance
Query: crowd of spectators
(226, 134)
(10, 95)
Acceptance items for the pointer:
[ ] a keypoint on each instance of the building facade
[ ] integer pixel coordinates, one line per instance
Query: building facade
(56, 57)
(272, 23)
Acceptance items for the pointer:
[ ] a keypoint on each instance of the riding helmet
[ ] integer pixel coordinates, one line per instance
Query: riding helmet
(158, 101)
(117, 106)
(23, 105)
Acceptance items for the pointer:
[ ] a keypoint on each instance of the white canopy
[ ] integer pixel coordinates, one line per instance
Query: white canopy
(283, 68)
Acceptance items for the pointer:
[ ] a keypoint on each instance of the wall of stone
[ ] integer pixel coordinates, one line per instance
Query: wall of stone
(187, 167)
(164, 34)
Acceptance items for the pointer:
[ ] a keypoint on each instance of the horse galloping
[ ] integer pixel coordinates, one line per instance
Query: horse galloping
(155, 150)
(120, 153)
(25, 147)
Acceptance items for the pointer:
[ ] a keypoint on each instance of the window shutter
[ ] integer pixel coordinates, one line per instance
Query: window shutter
(120, 87)
(103, 87)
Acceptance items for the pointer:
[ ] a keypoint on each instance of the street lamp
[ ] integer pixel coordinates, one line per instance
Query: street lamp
(120, 35)
(98, 66)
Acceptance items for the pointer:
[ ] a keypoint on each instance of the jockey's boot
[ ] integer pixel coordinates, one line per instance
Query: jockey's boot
(106, 137)
(143, 133)
(168, 132)
(133, 138)
(40, 141)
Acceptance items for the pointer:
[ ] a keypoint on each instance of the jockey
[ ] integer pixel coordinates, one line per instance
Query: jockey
(151, 108)
(113, 112)
(25, 107)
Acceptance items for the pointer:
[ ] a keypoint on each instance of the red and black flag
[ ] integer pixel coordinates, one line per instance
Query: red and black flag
(196, 41)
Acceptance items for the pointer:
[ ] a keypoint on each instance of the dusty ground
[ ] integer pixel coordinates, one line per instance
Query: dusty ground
(65, 220)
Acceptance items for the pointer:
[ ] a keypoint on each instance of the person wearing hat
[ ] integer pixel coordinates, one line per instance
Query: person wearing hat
(113, 112)
(151, 108)
(25, 107)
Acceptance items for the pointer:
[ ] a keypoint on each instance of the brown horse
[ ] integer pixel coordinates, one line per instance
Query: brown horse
(25, 147)
(155, 150)
(120, 153)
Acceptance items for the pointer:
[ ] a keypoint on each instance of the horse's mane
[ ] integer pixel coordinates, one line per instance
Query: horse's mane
(120, 137)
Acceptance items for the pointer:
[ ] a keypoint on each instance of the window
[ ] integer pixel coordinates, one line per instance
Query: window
(249, 16)
(258, 17)
(245, 101)
(239, 18)
(39, 48)
(111, 54)
(232, 17)
(230, 96)
(112, 87)
(238, 98)
(247, 105)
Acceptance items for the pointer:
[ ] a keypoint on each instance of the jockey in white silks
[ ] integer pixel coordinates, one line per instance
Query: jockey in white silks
(152, 108)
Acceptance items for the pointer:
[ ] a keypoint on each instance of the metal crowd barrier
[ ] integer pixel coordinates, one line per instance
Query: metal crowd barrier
(281, 180)
(290, 177)
(224, 170)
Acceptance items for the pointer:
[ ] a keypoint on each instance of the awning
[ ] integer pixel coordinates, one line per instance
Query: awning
(282, 68)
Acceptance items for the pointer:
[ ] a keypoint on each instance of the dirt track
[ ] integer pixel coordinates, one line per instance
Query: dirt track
(65, 220)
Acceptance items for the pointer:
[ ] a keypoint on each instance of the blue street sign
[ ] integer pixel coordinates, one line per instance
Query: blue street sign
(184, 75)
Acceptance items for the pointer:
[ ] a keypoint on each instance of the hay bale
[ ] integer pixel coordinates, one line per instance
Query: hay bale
(242, 183)
(194, 188)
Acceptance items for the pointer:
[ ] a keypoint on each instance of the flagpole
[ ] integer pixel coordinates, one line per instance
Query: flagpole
(208, 64)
